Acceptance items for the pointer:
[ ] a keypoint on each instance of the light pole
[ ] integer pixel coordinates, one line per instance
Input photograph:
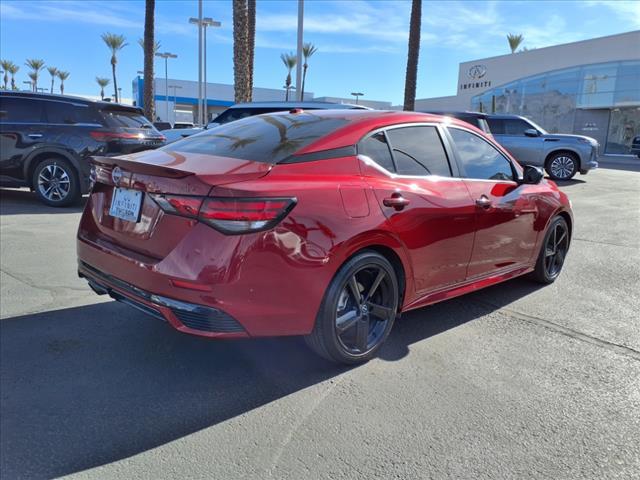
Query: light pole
(166, 56)
(357, 95)
(206, 22)
(175, 87)
(198, 22)
(299, 50)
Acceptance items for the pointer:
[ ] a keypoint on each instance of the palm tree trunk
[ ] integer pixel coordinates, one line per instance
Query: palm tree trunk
(240, 60)
(412, 57)
(101, 93)
(251, 44)
(52, 77)
(13, 82)
(304, 77)
(149, 53)
(61, 87)
(6, 79)
(287, 84)
(115, 82)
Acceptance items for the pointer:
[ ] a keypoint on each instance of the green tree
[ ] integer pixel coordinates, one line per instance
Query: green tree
(103, 82)
(289, 60)
(6, 66)
(62, 76)
(13, 69)
(114, 43)
(36, 65)
(514, 41)
(53, 71)
(411, 77)
(308, 49)
(34, 78)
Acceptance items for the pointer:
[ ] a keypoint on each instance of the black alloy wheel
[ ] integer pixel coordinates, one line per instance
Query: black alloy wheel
(553, 253)
(358, 310)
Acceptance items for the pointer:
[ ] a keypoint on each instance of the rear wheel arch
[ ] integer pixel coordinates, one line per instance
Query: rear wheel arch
(567, 218)
(39, 156)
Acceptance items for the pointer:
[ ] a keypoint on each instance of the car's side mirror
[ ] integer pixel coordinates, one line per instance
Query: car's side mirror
(532, 175)
(531, 132)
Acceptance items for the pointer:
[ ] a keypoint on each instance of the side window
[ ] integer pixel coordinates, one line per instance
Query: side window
(418, 151)
(516, 127)
(69, 114)
(20, 110)
(496, 125)
(479, 158)
(377, 148)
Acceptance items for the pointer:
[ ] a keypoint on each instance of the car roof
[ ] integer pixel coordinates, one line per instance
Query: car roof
(457, 113)
(294, 104)
(361, 122)
(69, 98)
(505, 116)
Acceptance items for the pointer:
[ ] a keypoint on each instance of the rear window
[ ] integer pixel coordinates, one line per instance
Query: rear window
(126, 119)
(266, 138)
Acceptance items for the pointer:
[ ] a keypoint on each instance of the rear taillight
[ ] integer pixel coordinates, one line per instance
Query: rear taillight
(229, 215)
(107, 136)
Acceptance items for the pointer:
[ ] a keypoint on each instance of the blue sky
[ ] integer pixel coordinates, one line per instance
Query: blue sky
(362, 44)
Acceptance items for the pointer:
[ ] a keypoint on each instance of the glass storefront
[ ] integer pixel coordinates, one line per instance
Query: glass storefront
(561, 100)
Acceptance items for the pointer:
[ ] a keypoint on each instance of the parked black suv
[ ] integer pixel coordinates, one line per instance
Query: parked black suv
(45, 141)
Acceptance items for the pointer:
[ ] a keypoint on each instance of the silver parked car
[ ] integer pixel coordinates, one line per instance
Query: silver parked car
(562, 156)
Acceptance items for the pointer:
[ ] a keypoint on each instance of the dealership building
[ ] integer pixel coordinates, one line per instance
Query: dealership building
(591, 87)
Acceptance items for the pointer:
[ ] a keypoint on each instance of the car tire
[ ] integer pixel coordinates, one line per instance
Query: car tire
(56, 182)
(351, 330)
(562, 166)
(553, 252)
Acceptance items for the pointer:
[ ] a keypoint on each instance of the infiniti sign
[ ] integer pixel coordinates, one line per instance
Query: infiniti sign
(116, 175)
(476, 73)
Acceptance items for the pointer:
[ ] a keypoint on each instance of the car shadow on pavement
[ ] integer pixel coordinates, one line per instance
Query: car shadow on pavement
(22, 201)
(87, 386)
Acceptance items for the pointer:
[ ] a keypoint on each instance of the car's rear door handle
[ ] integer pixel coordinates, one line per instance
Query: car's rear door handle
(396, 201)
(484, 201)
(34, 135)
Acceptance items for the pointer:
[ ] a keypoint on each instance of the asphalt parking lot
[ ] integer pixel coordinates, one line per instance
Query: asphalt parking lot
(516, 381)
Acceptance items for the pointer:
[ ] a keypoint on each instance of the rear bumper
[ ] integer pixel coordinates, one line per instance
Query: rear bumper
(183, 316)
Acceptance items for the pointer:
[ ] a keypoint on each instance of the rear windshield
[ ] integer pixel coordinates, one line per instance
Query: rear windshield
(126, 118)
(265, 138)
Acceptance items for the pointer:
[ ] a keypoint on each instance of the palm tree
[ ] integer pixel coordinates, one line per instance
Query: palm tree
(514, 41)
(53, 71)
(103, 82)
(308, 49)
(34, 78)
(150, 47)
(411, 78)
(6, 66)
(13, 69)
(251, 43)
(62, 76)
(35, 64)
(156, 45)
(240, 51)
(115, 43)
(289, 60)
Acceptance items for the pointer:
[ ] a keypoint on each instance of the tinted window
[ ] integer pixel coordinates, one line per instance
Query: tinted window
(480, 159)
(509, 126)
(126, 118)
(23, 110)
(267, 138)
(377, 148)
(233, 114)
(496, 126)
(418, 151)
(67, 113)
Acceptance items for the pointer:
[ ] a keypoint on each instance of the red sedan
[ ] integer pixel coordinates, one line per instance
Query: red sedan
(327, 224)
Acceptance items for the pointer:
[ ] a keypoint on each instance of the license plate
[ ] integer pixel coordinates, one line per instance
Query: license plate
(126, 204)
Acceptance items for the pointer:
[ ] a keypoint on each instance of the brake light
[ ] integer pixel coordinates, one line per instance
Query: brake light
(229, 215)
(106, 136)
